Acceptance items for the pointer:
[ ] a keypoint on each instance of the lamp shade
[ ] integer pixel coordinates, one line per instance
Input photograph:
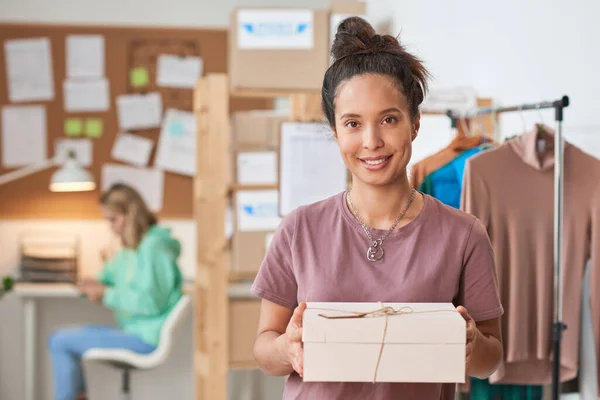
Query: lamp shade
(71, 178)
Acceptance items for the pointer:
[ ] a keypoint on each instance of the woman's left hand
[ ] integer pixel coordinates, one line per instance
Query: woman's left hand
(472, 333)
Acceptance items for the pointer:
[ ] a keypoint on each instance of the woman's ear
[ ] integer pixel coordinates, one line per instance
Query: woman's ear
(333, 132)
(416, 126)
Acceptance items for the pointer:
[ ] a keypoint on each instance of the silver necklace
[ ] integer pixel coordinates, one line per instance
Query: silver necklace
(375, 250)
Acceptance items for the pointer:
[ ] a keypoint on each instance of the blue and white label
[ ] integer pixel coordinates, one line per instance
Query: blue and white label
(257, 210)
(275, 29)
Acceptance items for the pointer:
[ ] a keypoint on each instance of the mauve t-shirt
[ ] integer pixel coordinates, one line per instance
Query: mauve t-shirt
(318, 253)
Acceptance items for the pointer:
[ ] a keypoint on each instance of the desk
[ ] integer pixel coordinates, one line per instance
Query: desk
(31, 292)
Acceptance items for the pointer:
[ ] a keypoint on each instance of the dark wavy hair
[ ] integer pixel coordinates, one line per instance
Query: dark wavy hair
(357, 50)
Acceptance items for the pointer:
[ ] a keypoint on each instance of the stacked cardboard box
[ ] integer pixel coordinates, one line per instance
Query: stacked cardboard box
(256, 148)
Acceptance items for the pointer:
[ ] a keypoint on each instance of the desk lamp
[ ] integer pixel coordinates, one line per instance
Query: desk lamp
(71, 177)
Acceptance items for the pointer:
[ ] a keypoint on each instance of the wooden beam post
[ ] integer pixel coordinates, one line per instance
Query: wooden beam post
(211, 191)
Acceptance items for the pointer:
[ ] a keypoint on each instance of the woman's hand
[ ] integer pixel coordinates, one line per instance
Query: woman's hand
(92, 289)
(293, 335)
(472, 334)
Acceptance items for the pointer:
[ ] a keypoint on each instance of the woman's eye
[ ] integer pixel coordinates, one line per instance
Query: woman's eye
(351, 124)
(389, 120)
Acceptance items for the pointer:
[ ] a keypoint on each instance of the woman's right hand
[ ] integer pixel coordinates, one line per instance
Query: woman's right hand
(293, 335)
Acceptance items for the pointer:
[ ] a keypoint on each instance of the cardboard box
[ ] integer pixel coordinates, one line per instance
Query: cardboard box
(278, 48)
(256, 146)
(256, 216)
(257, 130)
(243, 325)
(342, 9)
(426, 344)
(249, 249)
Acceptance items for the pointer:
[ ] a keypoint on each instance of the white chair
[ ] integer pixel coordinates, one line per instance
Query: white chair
(127, 360)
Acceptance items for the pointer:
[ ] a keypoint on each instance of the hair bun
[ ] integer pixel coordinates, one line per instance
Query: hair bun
(356, 36)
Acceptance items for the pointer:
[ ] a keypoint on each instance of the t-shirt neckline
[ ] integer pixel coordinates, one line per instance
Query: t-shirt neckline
(376, 233)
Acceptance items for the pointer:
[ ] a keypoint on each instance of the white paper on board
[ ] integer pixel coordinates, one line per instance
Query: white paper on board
(257, 168)
(29, 69)
(178, 72)
(147, 181)
(139, 111)
(176, 148)
(275, 29)
(23, 135)
(311, 168)
(132, 149)
(81, 147)
(86, 95)
(85, 56)
(257, 210)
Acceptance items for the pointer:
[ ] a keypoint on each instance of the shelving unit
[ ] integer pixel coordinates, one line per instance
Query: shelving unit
(217, 290)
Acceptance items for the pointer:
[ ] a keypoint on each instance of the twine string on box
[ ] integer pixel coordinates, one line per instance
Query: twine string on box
(383, 311)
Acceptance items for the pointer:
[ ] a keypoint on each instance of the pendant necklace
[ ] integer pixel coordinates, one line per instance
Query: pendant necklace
(375, 250)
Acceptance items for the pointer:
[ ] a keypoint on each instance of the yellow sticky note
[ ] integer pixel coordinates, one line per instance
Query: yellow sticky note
(73, 127)
(94, 127)
(138, 77)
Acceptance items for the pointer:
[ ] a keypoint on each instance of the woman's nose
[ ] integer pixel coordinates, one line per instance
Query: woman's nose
(372, 138)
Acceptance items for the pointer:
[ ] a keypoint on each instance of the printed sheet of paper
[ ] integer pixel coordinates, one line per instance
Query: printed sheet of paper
(311, 168)
(29, 69)
(178, 72)
(176, 149)
(257, 168)
(86, 95)
(139, 111)
(148, 182)
(81, 147)
(257, 210)
(132, 149)
(23, 135)
(85, 56)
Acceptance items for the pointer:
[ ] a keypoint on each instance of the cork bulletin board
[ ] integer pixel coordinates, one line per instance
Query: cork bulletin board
(126, 48)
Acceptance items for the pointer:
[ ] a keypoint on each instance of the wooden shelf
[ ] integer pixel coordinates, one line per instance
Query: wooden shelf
(268, 94)
(241, 277)
(236, 187)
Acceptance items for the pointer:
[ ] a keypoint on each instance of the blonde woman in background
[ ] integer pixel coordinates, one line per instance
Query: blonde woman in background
(141, 283)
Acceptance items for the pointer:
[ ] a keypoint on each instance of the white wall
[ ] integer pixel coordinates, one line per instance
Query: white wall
(514, 52)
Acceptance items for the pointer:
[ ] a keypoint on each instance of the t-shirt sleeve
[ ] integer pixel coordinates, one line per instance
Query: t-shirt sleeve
(276, 280)
(478, 290)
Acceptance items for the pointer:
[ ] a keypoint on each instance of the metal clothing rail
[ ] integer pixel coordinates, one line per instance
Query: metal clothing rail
(558, 105)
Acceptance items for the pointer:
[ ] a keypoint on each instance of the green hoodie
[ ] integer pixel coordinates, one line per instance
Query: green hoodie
(144, 284)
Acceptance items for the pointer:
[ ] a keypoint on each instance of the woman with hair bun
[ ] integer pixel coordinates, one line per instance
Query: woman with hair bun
(140, 284)
(381, 240)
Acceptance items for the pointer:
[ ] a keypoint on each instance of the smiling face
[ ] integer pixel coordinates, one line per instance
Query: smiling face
(374, 129)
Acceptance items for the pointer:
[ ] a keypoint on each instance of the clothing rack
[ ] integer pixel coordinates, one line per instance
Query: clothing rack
(558, 105)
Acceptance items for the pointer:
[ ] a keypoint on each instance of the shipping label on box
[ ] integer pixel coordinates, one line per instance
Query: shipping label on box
(416, 342)
(275, 29)
(257, 210)
(257, 168)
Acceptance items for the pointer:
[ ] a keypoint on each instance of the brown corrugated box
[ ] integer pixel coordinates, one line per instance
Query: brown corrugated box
(257, 130)
(252, 131)
(354, 7)
(243, 323)
(287, 69)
